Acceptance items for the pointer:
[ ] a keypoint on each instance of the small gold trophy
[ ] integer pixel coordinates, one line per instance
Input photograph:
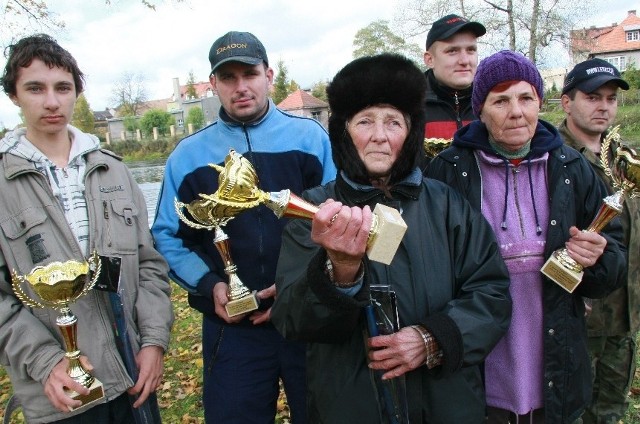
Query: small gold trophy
(238, 191)
(433, 146)
(57, 285)
(208, 216)
(625, 177)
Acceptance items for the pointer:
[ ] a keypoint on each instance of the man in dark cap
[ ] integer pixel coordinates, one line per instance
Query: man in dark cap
(589, 99)
(452, 58)
(244, 355)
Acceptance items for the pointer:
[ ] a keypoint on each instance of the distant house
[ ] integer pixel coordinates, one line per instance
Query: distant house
(100, 118)
(301, 103)
(177, 105)
(617, 44)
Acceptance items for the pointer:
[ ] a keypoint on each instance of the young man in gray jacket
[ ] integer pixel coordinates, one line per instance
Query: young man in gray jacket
(62, 198)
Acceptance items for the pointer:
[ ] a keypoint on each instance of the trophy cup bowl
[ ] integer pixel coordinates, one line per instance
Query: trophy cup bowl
(56, 286)
(433, 146)
(624, 174)
(210, 214)
(239, 191)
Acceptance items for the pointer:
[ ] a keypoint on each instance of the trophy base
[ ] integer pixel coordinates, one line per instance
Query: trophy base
(561, 275)
(243, 305)
(391, 229)
(96, 392)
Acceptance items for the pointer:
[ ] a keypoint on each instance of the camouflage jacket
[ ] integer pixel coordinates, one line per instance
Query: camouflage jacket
(619, 312)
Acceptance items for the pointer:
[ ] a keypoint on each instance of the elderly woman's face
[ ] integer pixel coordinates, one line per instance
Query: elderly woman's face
(511, 115)
(378, 132)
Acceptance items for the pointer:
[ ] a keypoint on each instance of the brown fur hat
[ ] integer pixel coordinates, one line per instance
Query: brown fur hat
(373, 80)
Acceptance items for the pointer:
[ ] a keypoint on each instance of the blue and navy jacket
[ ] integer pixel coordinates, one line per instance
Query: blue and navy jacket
(287, 152)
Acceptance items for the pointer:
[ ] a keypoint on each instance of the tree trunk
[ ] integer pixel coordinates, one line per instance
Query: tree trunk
(533, 32)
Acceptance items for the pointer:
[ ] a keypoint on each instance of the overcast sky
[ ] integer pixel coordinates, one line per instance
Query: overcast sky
(314, 39)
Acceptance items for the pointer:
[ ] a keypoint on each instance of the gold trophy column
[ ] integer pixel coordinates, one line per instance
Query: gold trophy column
(57, 285)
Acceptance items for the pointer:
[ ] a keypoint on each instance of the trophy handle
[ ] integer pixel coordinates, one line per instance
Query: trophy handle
(179, 206)
(95, 265)
(16, 282)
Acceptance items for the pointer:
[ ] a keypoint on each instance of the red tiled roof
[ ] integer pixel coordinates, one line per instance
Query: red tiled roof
(300, 99)
(606, 39)
(201, 89)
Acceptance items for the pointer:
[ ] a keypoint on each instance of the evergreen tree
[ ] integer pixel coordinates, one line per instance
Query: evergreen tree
(280, 83)
(83, 118)
(191, 88)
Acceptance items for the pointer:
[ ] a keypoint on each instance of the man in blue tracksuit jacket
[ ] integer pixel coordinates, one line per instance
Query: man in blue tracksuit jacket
(244, 356)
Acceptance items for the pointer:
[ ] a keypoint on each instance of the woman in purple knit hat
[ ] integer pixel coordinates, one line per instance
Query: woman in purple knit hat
(538, 195)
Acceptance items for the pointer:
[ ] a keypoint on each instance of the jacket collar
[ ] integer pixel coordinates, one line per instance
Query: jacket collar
(228, 120)
(476, 136)
(360, 194)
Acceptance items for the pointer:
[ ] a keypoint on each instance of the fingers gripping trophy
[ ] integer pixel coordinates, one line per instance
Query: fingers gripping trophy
(56, 286)
(622, 165)
(238, 191)
(212, 212)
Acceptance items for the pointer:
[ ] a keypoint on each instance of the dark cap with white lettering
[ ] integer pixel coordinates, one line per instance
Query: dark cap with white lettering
(448, 25)
(237, 47)
(590, 75)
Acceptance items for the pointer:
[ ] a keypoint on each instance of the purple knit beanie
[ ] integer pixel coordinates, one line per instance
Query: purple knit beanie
(500, 67)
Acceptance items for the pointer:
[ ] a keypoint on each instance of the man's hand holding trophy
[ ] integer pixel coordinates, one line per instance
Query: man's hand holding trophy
(622, 165)
(56, 286)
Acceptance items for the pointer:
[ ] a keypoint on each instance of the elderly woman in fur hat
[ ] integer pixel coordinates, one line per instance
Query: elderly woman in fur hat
(537, 194)
(450, 281)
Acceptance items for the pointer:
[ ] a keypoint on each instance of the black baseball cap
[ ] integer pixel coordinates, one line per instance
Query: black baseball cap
(237, 47)
(448, 25)
(589, 75)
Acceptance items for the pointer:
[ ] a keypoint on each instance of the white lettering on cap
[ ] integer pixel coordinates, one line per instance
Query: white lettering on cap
(600, 69)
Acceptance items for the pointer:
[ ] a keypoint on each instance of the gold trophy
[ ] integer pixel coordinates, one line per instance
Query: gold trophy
(238, 191)
(208, 216)
(433, 146)
(624, 173)
(57, 285)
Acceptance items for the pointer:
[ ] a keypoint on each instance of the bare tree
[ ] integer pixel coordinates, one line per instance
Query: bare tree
(129, 93)
(528, 26)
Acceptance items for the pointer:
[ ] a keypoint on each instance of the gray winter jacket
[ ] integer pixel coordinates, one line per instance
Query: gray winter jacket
(36, 233)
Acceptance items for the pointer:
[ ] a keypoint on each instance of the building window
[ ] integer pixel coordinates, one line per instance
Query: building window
(316, 115)
(633, 35)
(619, 62)
(180, 123)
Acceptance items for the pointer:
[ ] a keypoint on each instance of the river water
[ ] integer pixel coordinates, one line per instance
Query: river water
(148, 175)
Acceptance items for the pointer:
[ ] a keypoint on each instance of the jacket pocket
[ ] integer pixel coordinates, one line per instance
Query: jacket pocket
(26, 238)
(120, 226)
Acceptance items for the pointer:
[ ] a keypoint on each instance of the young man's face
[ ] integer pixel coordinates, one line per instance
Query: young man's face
(46, 97)
(454, 60)
(591, 114)
(243, 89)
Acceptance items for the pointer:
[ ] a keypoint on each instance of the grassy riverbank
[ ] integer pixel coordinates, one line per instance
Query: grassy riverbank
(628, 118)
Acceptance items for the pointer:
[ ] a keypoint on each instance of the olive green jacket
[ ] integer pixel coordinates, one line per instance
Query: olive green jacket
(619, 312)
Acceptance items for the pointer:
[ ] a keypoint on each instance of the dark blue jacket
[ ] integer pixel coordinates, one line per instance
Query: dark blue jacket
(575, 195)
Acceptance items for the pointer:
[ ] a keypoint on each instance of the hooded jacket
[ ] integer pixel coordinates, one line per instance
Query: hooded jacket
(35, 232)
(448, 276)
(575, 195)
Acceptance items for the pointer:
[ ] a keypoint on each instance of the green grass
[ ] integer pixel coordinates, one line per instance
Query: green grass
(180, 395)
(628, 118)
